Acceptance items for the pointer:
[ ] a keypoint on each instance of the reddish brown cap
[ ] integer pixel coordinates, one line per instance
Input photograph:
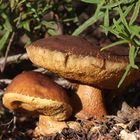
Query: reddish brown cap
(76, 59)
(36, 93)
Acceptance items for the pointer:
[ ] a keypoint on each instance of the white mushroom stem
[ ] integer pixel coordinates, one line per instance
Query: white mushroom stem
(89, 103)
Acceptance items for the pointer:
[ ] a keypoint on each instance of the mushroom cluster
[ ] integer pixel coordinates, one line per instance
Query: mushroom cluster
(77, 60)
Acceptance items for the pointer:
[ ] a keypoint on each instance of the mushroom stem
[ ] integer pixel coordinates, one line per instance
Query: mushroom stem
(47, 125)
(91, 103)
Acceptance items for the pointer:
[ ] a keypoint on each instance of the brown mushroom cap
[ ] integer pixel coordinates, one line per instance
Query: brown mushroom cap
(77, 59)
(33, 92)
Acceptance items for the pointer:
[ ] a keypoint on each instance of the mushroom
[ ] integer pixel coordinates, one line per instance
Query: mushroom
(78, 60)
(37, 94)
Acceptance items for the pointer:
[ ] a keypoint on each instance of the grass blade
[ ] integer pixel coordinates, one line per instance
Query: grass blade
(128, 68)
(91, 1)
(132, 57)
(123, 19)
(118, 27)
(114, 44)
(98, 14)
(110, 29)
(135, 13)
(129, 8)
(137, 41)
(106, 20)
(3, 40)
(113, 4)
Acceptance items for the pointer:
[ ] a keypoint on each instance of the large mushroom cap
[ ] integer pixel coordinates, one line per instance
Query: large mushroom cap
(33, 92)
(77, 59)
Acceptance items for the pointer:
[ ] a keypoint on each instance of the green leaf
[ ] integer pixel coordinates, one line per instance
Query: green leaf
(120, 30)
(46, 8)
(48, 24)
(118, 27)
(132, 57)
(135, 30)
(1, 27)
(97, 15)
(28, 42)
(124, 36)
(106, 20)
(37, 27)
(20, 3)
(12, 4)
(26, 25)
(87, 23)
(52, 32)
(123, 19)
(114, 44)
(128, 68)
(117, 3)
(7, 25)
(129, 8)
(135, 13)
(3, 40)
(28, 4)
(136, 52)
(137, 41)
(92, 1)
(113, 4)
(115, 32)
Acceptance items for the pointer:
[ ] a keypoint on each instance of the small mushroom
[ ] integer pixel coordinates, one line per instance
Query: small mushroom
(35, 93)
(78, 60)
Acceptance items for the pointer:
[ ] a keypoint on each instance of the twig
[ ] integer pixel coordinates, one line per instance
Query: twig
(60, 81)
(59, 27)
(14, 122)
(41, 70)
(9, 44)
(6, 81)
(13, 59)
(64, 83)
(1, 92)
(7, 51)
